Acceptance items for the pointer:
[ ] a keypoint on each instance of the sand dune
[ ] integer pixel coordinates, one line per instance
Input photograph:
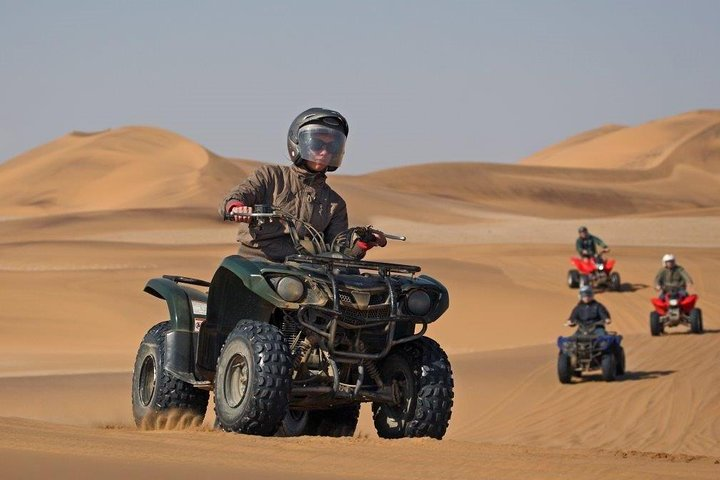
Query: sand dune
(641, 147)
(88, 218)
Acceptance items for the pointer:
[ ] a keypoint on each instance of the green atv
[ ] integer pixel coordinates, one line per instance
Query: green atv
(294, 348)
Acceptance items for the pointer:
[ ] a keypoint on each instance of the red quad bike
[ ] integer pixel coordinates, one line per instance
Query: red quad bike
(596, 272)
(675, 308)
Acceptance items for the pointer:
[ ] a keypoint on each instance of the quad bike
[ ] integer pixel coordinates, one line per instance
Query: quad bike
(586, 351)
(673, 308)
(594, 271)
(294, 348)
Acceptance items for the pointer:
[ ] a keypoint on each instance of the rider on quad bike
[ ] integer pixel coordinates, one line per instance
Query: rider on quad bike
(587, 245)
(674, 305)
(316, 145)
(672, 276)
(588, 310)
(590, 267)
(591, 347)
(296, 331)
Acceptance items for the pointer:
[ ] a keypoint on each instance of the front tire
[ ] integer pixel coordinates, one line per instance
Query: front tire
(615, 282)
(573, 279)
(423, 376)
(656, 327)
(564, 368)
(609, 367)
(696, 325)
(620, 361)
(154, 390)
(252, 382)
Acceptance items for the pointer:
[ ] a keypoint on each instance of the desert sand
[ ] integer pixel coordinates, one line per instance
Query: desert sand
(86, 219)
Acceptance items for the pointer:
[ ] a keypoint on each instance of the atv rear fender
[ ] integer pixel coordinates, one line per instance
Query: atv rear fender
(180, 351)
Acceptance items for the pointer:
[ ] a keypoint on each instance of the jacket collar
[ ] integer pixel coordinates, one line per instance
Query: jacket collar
(307, 177)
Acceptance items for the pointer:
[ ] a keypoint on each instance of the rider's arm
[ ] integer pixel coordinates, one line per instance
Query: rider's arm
(658, 279)
(604, 313)
(575, 315)
(598, 242)
(686, 276)
(578, 246)
(252, 191)
(338, 221)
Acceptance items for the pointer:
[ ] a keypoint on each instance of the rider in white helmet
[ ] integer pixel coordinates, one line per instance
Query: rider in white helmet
(672, 275)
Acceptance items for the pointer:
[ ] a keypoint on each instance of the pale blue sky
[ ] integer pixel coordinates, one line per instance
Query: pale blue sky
(419, 82)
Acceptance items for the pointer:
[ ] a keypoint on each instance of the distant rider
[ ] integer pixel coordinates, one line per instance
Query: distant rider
(589, 311)
(316, 145)
(587, 245)
(672, 275)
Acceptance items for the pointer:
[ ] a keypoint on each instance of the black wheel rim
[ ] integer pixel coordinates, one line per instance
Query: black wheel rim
(236, 380)
(147, 382)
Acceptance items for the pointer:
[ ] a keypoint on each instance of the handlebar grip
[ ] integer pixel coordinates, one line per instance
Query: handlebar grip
(395, 237)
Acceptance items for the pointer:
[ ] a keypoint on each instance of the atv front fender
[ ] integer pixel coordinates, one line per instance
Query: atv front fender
(179, 349)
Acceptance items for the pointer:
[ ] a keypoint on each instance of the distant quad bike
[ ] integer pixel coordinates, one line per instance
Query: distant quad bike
(587, 351)
(675, 308)
(594, 271)
(294, 348)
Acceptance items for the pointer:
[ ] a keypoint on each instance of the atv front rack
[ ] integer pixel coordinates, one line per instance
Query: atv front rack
(381, 267)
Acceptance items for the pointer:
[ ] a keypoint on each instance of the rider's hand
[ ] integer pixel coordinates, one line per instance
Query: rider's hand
(378, 239)
(238, 213)
(373, 238)
(584, 252)
(608, 321)
(658, 287)
(570, 323)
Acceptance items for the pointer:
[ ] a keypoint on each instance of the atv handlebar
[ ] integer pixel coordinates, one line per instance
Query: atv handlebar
(262, 213)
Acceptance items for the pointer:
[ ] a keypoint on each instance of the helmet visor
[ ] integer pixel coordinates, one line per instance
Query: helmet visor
(322, 145)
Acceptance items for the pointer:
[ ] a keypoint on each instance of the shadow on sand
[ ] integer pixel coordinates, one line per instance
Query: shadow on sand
(671, 333)
(632, 287)
(643, 375)
(629, 376)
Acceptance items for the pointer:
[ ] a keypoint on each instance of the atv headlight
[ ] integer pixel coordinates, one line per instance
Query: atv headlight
(419, 303)
(674, 302)
(601, 267)
(290, 289)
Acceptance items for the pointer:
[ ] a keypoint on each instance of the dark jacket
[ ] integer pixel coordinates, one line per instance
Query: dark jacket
(293, 189)
(673, 277)
(590, 312)
(589, 243)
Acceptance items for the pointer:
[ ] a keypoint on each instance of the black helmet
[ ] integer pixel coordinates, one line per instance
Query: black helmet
(585, 291)
(313, 122)
(582, 229)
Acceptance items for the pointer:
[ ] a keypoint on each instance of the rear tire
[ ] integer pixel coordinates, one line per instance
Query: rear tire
(564, 368)
(573, 279)
(253, 378)
(656, 327)
(615, 282)
(609, 367)
(335, 422)
(424, 377)
(696, 325)
(154, 390)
